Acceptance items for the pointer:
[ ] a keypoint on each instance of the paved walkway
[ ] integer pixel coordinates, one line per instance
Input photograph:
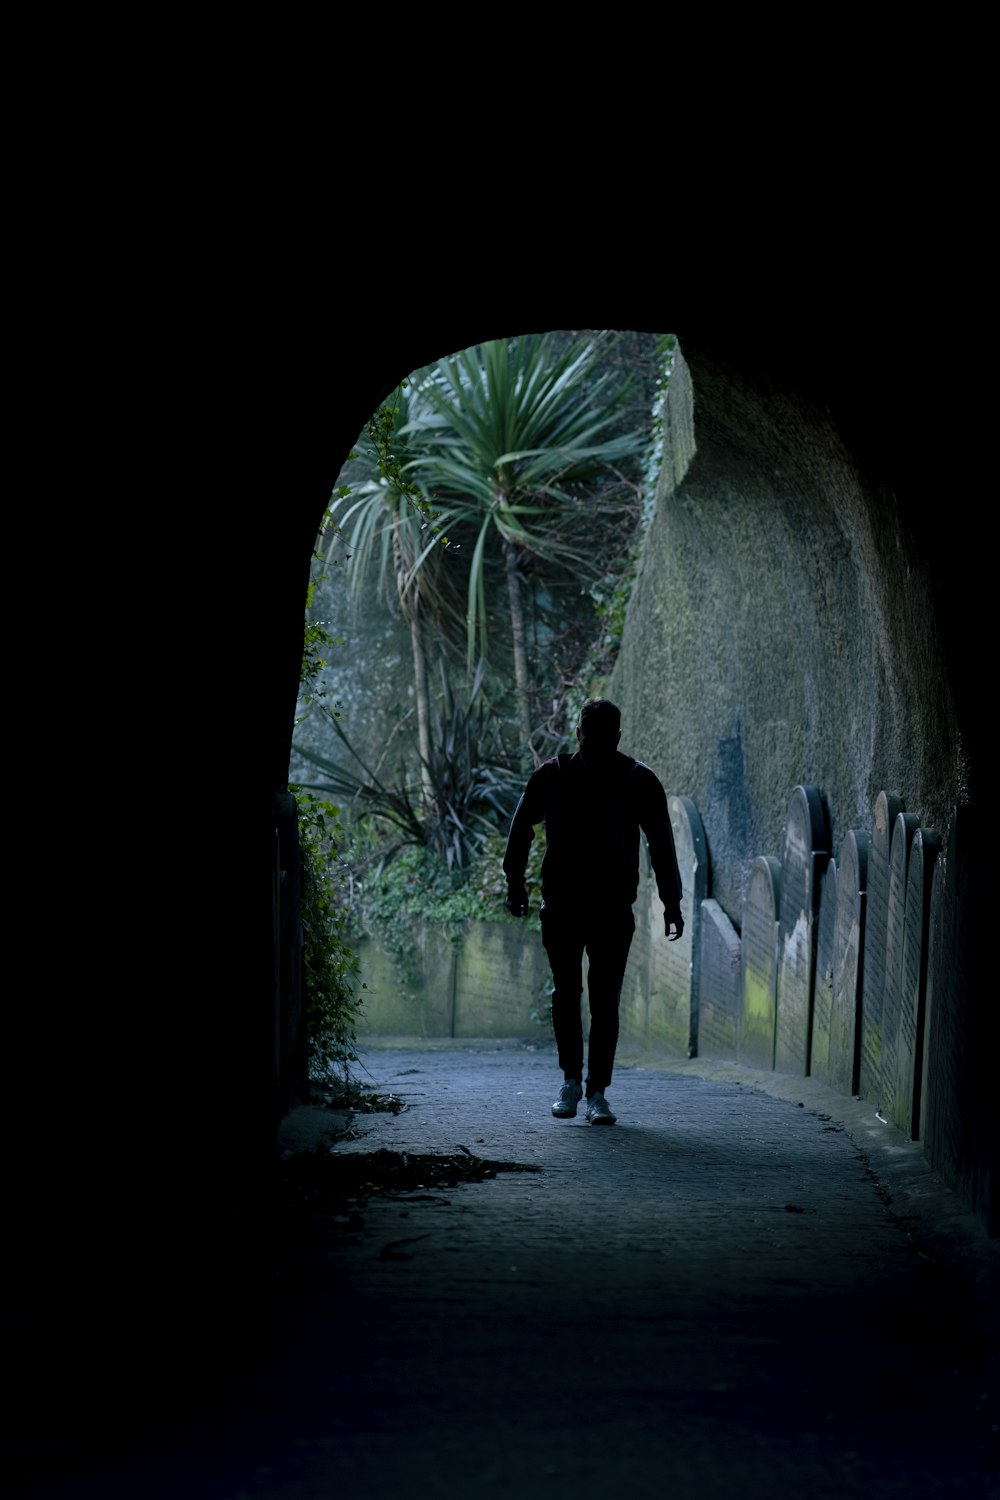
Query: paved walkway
(747, 1287)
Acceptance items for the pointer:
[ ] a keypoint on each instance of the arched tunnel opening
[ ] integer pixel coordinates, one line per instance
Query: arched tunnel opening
(816, 642)
(785, 663)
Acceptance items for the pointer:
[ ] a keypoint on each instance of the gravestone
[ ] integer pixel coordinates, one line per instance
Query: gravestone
(759, 964)
(913, 982)
(672, 1022)
(633, 1010)
(958, 1119)
(943, 1033)
(819, 1046)
(805, 855)
(848, 961)
(888, 806)
(899, 858)
(718, 983)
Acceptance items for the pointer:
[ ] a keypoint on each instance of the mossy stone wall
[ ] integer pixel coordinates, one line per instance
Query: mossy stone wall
(781, 630)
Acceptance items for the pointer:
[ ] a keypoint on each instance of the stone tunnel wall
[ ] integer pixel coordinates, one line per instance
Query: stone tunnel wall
(781, 631)
(781, 635)
(853, 966)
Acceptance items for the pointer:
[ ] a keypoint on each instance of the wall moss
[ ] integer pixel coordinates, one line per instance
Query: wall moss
(781, 631)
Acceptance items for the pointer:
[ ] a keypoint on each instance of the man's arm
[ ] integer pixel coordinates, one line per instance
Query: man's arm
(529, 811)
(654, 820)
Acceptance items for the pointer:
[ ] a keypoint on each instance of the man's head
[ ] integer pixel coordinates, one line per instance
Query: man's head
(599, 729)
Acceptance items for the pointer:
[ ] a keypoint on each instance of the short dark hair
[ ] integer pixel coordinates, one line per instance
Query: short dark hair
(601, 718)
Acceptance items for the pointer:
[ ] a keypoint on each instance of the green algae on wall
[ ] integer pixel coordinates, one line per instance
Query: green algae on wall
(482, 979)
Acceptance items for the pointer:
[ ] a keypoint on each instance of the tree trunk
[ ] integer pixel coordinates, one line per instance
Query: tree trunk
(519, 642)
(423, 701)
(409, 603)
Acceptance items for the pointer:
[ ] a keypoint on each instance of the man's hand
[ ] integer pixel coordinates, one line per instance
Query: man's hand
(673, 919)
(517, 901)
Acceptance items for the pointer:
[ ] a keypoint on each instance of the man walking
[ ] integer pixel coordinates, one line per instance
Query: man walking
(593, 804)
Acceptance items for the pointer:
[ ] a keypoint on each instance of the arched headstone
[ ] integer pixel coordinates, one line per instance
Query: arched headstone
(633, 1008)
(673, 981)
(888, 806)
(759, 963)
(959, 1121)
(718, 983)
(932, 1084)
(899, 858)
(804, 859)
(848, 961)
(819, 1046)
(913, 982)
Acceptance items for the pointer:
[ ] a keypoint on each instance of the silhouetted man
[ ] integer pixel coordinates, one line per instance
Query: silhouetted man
(593, 804)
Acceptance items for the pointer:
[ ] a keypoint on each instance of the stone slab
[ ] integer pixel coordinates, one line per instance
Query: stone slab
(648, 913)
(719, 983)
(888, 806)
(959, 1118)
(913, 983)
(899, 858)
(848, 961)
(819, 1043)
(759, 963)
(673, 981)
(805, 855)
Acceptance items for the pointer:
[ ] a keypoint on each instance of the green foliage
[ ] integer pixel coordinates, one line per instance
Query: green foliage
(613, 590)
(486, 887)
(383, 432)
(392, 804)
(512, 446)
(330, 970)
(418, 888)
(386, 519)
(317, 640)
(473, 786)
(514, 438)
(469, 787)
(394, 894)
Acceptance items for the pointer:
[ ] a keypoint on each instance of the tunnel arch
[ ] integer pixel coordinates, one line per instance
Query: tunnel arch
(138, 1142)
(825, 395)
(810, 646)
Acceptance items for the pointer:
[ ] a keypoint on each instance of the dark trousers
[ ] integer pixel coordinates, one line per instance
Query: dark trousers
(606, 937)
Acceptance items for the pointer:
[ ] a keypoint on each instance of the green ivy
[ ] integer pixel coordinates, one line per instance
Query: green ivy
(330, 969)
(380, 429)
(331, 982)
(417, 889)
(612, 593)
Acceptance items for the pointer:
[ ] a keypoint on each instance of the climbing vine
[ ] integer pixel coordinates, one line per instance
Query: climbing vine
(331, 981)
(611, 593)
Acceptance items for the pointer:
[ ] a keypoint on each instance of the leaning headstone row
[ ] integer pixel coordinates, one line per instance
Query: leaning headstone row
(828, 976)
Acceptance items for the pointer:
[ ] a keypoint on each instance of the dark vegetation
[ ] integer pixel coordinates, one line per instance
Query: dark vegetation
(320, 1195)
(495, 506)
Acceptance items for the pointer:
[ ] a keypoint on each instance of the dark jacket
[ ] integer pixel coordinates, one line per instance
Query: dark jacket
(592, 818)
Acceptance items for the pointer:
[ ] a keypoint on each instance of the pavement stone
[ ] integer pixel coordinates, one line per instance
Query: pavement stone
(748, 1285)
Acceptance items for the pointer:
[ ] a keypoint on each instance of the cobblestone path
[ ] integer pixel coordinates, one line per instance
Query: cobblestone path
(729, 1293)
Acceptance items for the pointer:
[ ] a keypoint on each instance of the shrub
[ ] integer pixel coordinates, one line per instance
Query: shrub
(331, 984)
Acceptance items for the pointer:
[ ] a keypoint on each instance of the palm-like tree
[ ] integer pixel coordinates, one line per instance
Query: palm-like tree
(514, 438)
(381, 521)
(474, 788)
